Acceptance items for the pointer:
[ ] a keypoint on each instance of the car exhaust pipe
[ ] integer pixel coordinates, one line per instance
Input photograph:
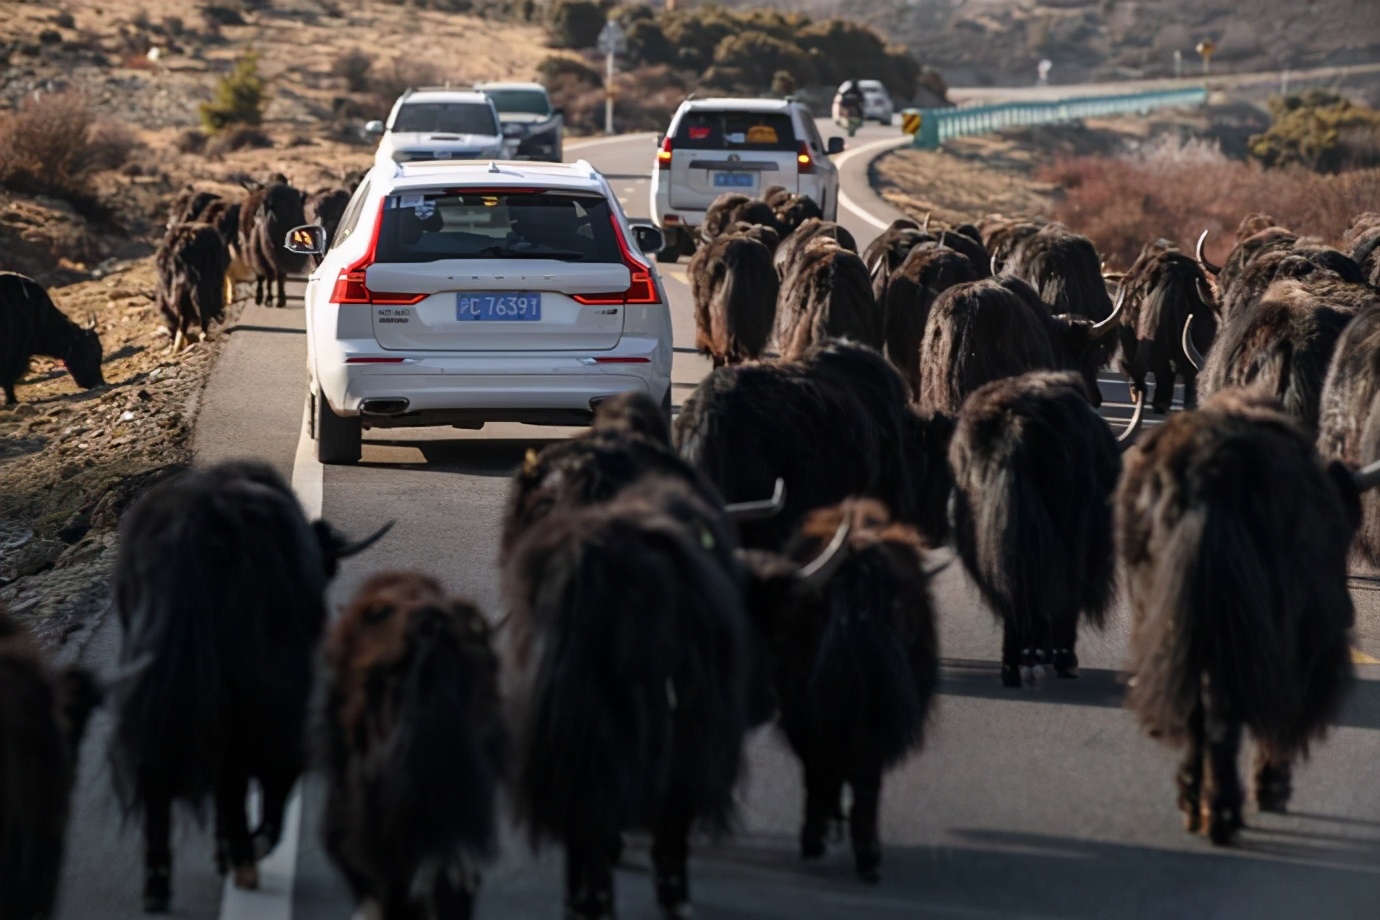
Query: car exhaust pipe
(386, 405)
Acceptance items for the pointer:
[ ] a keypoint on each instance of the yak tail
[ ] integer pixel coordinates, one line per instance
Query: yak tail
(748, 300)
(210, 269)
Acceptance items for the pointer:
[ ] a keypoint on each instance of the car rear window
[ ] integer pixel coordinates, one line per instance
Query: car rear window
(520, 101)
(707, 130)
(496, 224)
(446, 118)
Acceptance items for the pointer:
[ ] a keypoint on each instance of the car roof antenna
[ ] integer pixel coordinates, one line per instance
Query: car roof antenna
(493, 167)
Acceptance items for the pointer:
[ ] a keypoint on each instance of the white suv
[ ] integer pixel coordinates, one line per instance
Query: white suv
(715, 146)
(439, 124)
(458, 294)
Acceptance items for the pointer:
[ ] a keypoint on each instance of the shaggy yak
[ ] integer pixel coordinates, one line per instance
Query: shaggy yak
(928, 271)
(789, 254)
(628, 713)
(192, 261)
(1349, 414)
(266, 216)
(853, 655)
(43, 716)
(734, 287)
(220, 591)
(1363, 236)
(1234, 537)
(1034, 469)
(828, 295)
(414, 747)
(1063, 267)
(31, 325)
(733, 208)
(1163, 289)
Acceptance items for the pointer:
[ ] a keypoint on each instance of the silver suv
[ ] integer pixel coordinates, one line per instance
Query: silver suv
(715, 146)
(532, 129)
(439, 124)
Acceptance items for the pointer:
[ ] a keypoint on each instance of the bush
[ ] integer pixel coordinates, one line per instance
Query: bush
(109, 145)
(54, 146)
(647, 44)
(782, 84)
(240, 137)
(191, 140)
(353, 67)
(239, 99)
(1320, 130)
(574, 23)
(748, 60)
(403, 74)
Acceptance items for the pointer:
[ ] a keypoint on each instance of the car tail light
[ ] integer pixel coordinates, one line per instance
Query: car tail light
(663, 156)
(641, 288)
(350, 286)
(804, 162)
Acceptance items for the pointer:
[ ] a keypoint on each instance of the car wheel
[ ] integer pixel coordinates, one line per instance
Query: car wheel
(670, 250)
(338, 439)
(666, 408)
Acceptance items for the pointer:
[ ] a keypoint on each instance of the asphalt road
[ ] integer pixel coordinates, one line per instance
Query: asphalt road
(1023, 804)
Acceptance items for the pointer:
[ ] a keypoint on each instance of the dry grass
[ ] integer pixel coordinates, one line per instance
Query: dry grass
(54, 145)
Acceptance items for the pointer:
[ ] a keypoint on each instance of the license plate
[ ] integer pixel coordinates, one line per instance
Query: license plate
(505, 307)
(733, 180)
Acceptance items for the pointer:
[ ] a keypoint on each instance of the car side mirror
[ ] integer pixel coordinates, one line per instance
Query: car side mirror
(373, 127)
(659, 139)
(306, 240)
(649, 238)
(835, 146)
(558, 113)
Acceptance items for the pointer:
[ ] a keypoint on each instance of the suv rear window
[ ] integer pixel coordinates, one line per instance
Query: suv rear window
(708, 130)
(497, 224)
(445, 118)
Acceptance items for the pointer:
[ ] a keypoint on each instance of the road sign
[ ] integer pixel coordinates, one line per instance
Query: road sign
(911, 121)
(612, 39)
(1205, 48)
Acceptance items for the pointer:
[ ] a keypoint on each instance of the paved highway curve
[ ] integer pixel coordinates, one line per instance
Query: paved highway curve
(1023, 804)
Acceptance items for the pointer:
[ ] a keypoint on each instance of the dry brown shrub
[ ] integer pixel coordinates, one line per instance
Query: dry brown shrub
(401, 75)
(53, 146)
(239, 137)
(1176, 190)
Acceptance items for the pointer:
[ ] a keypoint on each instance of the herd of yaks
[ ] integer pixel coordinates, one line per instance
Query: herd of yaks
(767, 558)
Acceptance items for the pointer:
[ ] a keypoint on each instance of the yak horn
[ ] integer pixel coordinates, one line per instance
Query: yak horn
(761, 509)
(1367, 477)
(94, 320)
(351, 549)
(926, 224)
(1106, 326)
(820, 569)
(994, 268)
(1202, 260)
(1191, 352)
(1128, 436)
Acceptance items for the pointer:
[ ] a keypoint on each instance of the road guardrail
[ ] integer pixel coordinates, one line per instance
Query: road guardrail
(939, 125)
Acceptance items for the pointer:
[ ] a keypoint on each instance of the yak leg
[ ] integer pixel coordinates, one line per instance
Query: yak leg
(258, 289)
(1010, 655)
(228, 288)
(234, 847)
(282, 288)
(862, 821)
(1274, 773)
(1190, 775)
(10, 398)
(1223, 732)
(276, 785)
(1164, 384)
(588, 880)
(1190, 390)
(452, 897)
(1065, 635)
(671, 855)
(823, 785)
(157, 853)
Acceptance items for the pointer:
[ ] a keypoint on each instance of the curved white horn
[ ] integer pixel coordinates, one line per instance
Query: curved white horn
(994, 265)
(1367, 477)
(1106, 326)
(760, 509)
(1191, 352)
(822, 567)
(1198, 252)
(1128, 436)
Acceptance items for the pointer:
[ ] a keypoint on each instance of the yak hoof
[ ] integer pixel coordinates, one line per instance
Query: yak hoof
(246, 877)
(1222, 824)
(1010, 676)
(1065, 663)
(811, 845)
(158, 890)
(1273, 796)
(673, 895)
(867, 859)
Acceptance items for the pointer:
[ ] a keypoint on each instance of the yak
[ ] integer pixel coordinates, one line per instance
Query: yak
(1163, 288)
(1001, 237)
(629, 653)
(733, 208)
(1363, 237)
(1034, 470)
(835, 423)
(219, 586)
(1283, 343)
(43, 716)
(828, 295)
(414, 747)
(854, 660)
(266, 215)
(787, 256)
(985, 330)
(326, 207)
(1349, 414)
(735, 288)
(1233, 536)
(188, 206)
(30, 324)
(192, 261)
(1063, 267)
(927, 271)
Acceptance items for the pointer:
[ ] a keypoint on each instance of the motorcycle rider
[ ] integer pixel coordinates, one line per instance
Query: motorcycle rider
(851, 104)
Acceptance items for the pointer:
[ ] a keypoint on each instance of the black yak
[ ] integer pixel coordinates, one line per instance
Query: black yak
(326, 206)
(191, 261)
(1163, 288)
(927, 271)
(788, 255)
(266, 215)
(414, 747)
(1363, 236)
(1349, 414)
(1063, 267)
(31, 325)
(1001, 236)
(220, 591)
(732, 208)
(889, 249)
(1233, 537)
(734, 287)
(629, 646)
(986, 330)
(1034, 469)
(43, 716)
(188, 206)
(853, 655)
(827, 295)
(832, 425)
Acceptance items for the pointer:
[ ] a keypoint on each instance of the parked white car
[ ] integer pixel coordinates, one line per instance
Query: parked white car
(439, 124)
(877, 104)
(459, 294)
(715, 146)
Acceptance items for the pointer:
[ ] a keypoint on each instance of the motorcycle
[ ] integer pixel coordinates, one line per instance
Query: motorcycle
(852, 114)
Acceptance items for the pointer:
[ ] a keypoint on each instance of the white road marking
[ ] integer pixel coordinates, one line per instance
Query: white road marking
(277, 872)
(844, 198)
(615, 139)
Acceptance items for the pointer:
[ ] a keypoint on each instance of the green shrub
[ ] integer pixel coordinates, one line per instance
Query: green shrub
(240, 98)
(560, 69)
(750, 60)
(574, 23)
(1320, 130)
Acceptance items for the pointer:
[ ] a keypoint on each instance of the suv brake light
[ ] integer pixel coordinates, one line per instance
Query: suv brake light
(641, 288)
(663, 156)
(350, 286)
(804, 162)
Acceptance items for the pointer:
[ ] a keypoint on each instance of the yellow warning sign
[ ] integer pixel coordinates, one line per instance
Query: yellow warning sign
(910, 122)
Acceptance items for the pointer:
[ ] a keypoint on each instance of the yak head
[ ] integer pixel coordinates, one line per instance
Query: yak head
(84, 356)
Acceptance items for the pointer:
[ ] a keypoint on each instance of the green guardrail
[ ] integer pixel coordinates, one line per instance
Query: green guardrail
(939, 125)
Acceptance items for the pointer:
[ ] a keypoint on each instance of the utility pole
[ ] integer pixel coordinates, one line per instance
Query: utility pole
(613, 41)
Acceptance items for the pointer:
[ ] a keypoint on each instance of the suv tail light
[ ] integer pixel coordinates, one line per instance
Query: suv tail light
(641, 288)
(804, 162)
(663, 156)
(350, 286)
